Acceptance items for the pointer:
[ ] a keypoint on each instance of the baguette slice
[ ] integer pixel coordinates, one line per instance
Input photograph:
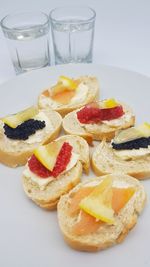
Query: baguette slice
(106, 235)
(105, 161)
(63, 109)
(49, 197)
(15, 153)
(98, 131)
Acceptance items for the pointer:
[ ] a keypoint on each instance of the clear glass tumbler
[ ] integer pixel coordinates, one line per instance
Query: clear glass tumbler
(28, 40)
(73, 34)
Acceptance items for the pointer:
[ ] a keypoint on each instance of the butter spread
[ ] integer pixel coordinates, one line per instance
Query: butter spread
(118, 122)
(80, 96)
(43, 182)
(116, 183)
(38, 136)
(128, 154)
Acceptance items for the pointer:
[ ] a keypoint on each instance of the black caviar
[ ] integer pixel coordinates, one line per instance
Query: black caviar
(142, 142)
(24, 130)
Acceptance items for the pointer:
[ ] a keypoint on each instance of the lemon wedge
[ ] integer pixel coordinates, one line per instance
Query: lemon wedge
(132, 133)
(102, 187)
(127, 135)
(144, 129)
(109, 103)
(68, 83)
(64, 83)
(14, 120)
(97, 209)
(47, 154)
(98, 202)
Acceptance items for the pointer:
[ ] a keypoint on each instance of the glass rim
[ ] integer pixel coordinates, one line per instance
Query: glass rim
(22, 13)
(73, 22)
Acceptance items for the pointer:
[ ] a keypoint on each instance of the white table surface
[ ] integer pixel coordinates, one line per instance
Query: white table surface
(122, 32)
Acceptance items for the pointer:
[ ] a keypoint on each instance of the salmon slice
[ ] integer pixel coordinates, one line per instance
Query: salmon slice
(64, 97)
(78, 196)
(120, 197)
(46, 93)
(86, 225)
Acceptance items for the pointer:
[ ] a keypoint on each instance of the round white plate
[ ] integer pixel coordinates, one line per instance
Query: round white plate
(30, 236)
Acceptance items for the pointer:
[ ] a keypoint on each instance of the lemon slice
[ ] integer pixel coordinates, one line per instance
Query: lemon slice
(64, 83)
(98, 202)
(97, 209)
(132, 133)
(14, 120)
(68, 83)
(127, 135)
(101, 188)
(144, 129)
(109, 103)
(47, 154)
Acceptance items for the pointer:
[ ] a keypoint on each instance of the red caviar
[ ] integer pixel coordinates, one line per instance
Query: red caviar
(90, 114)
(62, 161)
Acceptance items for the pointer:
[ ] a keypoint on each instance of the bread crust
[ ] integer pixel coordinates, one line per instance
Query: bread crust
(19, 157)
(79, 245)
(72, 126)
(93, 95)
(125, 220)
(104, 161)
(47, 200)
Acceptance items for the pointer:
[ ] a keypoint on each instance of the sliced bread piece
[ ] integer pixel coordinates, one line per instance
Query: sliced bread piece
(102, 235)
(48, 196)
(86, 92)
(98, 131)
(106, 160)
(15, 152)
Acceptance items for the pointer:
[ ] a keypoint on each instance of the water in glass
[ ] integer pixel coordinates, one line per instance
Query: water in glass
(73, 41)
(29, 47)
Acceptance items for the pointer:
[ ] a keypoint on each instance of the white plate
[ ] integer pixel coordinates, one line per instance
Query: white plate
(29, 236)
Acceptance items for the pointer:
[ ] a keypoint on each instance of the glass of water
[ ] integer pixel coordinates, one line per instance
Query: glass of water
(73, 34)
(28, 40)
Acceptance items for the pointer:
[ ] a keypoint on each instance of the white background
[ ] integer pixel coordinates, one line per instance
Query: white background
(122, 33)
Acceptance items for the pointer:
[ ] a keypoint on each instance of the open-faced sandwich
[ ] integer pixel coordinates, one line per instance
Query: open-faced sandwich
(69, 94)
(100, 212)
(22, 132)
(54, 169)
(99, 120)
(128, 152)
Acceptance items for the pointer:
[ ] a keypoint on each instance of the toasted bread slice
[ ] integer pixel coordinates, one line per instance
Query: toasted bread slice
(45, 100)
(15, 153)
(105, 235)
(104, 161)
(71, 125)
(48, 197)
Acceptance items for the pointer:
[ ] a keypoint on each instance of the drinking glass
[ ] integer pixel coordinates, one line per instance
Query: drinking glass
(73, 34)
(28, 40)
